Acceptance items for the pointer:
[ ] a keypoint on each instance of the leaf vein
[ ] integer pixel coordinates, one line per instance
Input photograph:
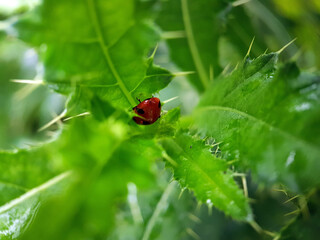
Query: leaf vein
(105, 50)
(205, 174)
(288, 135)
(33, 192)
(150, 76)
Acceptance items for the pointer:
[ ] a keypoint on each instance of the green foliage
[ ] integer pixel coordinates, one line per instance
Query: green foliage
(208, 176)
(247, 154)
(24, 185)
(92, 176)
(104, 46)
(197, 24)
(267, 119)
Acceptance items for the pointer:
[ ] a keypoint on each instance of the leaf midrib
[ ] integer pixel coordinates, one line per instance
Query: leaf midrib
(150, 76)
(271, 127)
(194, 163)
(34, 192)
(216, 185)
(251, 78)
(97, 27)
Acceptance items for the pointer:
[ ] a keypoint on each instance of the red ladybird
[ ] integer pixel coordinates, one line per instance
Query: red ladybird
(149, 110)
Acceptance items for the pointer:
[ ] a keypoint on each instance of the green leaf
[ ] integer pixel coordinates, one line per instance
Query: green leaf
(208, 176)
(102, 47)
(16, 214)
(164, 127)
(192, 30)
(266, 116)
(156, 78)
(103, 159)
(239, 32)
(27, 177)
(17, 170)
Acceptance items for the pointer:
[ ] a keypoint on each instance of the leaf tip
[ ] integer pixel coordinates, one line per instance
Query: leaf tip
(53, 121)
(285, 46)
(27, 81)
(154, 51)
(181, 74)
(210, 205)
(239, 3)
(170, 99)
(193, 234)
(173, 35)
(250, 47)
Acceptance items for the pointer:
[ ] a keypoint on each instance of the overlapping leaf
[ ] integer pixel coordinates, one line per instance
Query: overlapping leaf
(95, 44)
(197, 169)
(267, 116)
(193, 29)
(26, 178)
(103, 160)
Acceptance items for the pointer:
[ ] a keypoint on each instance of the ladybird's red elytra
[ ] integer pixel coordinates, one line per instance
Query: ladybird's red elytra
(149, 110)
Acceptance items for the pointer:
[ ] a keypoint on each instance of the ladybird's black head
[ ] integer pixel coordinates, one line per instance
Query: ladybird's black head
(140, 111)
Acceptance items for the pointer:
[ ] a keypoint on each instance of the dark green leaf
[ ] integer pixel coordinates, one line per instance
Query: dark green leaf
(207, 176)
(104, 158)
(156, 78)
(267, 116)
(192, 29)
(165, 126)
(102, 47)
(17, 214)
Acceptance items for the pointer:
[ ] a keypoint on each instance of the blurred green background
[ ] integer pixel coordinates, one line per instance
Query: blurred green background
(25, 108)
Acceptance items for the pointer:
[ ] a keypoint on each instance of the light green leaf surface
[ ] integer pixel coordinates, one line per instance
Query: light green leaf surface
(102, 47)
(19, 204)
(104, 160)
(17, 170)
(264, 115)
(267, 116)
(207, 176)
(27, 177)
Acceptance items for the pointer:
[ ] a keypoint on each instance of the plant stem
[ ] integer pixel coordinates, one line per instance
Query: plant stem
(161, 207)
